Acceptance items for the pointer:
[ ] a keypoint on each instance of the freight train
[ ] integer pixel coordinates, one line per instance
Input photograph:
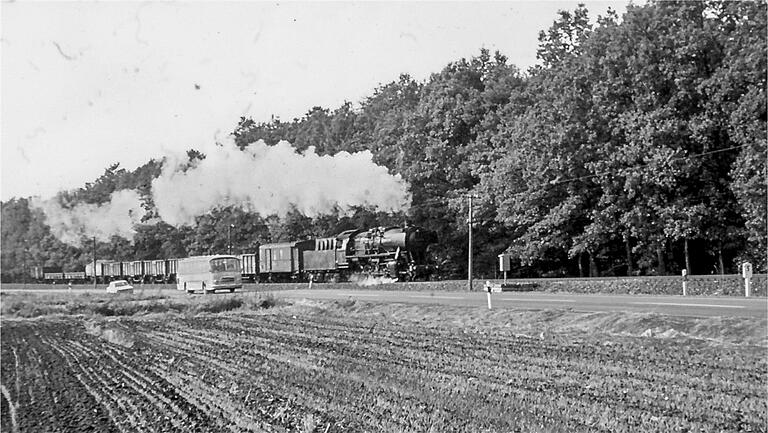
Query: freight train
(399, 253)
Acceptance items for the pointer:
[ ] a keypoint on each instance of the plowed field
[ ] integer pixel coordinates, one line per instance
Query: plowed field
(332, 368)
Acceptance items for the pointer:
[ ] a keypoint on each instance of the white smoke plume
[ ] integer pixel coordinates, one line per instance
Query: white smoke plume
(271, 179)
(266, 179)
(117, 217)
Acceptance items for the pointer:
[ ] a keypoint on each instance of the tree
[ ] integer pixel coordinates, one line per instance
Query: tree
(737, 93)
(545, 136)
(248, 131)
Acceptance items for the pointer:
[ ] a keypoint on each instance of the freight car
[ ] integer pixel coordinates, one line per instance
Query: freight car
(137, 271)
(54, 275)
(98, 273)
(46, 273)
(249, 267)
(283, 261)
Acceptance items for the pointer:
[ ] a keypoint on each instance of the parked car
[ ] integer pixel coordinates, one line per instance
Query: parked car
(119, 286)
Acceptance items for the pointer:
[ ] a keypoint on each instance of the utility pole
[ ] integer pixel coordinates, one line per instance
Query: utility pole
(27, 271)
(229, 239)
(469, 267)
(94, 262)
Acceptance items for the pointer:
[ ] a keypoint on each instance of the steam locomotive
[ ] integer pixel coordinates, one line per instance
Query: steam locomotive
(392, 252)
(398, 253)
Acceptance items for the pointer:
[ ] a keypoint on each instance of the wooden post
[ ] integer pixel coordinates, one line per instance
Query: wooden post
(94, 262)
(685, 282)
(229, 239)
(746, 273)
(469, 265)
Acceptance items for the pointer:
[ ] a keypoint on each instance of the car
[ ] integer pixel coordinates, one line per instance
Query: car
(119, 286)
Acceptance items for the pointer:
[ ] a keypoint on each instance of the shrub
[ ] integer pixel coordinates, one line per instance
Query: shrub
(263, 301)
(219, 305)
(345, 304)
(116, 309)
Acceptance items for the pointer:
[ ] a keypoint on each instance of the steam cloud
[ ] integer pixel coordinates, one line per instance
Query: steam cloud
(271, 179)
(265, 179)
(117, 217)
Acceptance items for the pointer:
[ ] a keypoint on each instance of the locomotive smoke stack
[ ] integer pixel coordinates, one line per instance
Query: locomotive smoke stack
(274, 179)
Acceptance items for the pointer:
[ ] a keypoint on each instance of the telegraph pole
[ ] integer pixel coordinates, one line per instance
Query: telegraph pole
(94, 262)
(469, 267)
(229, 239)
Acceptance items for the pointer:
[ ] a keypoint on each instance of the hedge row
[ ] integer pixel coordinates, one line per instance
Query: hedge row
(698, 285)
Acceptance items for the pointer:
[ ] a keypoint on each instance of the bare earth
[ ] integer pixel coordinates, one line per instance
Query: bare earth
(258, 363)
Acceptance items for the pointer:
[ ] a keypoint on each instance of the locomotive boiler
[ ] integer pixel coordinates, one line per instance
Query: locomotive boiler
(391, 252)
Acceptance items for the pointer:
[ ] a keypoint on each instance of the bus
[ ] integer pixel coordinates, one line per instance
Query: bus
(209, 273)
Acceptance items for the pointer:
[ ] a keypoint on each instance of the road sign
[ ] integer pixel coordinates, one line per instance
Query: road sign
(505, 262)
(746, 270)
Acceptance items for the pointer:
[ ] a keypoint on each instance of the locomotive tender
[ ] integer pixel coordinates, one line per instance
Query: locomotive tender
(398, 253)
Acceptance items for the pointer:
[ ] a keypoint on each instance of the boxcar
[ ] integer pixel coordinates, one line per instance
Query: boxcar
(283, 261)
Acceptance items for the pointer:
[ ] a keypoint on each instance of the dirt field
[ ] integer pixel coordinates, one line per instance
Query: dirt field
(247, 363)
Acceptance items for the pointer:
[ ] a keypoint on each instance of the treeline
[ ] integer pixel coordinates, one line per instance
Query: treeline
(636, 147)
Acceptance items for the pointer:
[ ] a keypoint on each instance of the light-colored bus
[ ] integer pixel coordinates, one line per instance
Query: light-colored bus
(209, 273)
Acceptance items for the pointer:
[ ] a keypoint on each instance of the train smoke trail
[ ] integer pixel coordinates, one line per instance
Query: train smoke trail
(273, 179)
(84, 221)
(270, 180)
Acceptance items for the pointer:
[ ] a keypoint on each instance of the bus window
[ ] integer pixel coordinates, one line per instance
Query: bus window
(225, 264)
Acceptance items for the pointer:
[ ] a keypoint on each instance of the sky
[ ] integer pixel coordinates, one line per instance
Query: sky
(85, 85)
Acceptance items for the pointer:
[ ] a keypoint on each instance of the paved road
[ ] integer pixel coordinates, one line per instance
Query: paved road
(696, 306)
(670, 305)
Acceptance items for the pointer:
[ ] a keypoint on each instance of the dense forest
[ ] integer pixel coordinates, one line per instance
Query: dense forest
(637, 146)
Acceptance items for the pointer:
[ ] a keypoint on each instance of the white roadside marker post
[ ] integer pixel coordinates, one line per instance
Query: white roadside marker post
(685, 282)
(488, 293)
(746, 273)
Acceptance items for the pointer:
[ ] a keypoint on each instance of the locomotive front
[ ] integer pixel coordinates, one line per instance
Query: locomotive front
(395, 252)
